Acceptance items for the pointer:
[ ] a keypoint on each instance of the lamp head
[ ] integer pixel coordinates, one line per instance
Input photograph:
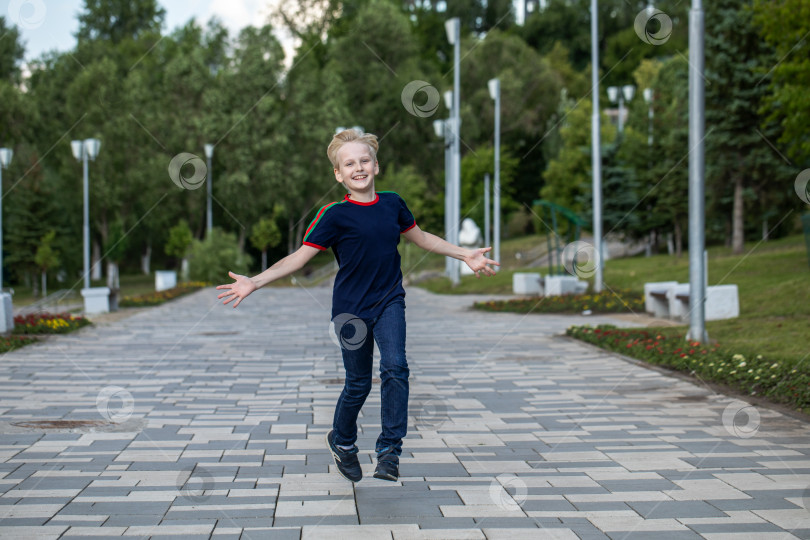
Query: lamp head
(76, 148)
(209, 151)
(339, 129)
(613, 93)
(452, 27)
(648, 95)
(5, 157)
(494, 86)
(629, 91)
(448, 99)
(92, 146)
(438, 128)
(358, 129)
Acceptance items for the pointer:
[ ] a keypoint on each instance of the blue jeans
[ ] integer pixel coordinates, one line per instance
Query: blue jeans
(357, 337)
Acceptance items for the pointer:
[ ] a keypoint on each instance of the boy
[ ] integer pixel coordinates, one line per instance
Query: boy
(368, 300)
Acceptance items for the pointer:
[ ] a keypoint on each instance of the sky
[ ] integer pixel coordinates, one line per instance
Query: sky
(47, 25)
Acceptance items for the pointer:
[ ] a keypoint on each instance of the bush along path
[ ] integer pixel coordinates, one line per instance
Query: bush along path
(780, 381)
(156, 298)
(617, 301)
(30, 328)
(46, 323)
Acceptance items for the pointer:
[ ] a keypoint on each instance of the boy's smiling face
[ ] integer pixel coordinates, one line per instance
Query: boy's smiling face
(356, 167)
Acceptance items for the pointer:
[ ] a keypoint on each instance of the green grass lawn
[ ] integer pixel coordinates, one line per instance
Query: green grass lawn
(773, 279)
(501, 283)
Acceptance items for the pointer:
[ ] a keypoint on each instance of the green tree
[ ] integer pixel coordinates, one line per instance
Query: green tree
(737, 157)
(117, 20)
(114, 249)
(568, 176)
(473, 168)
(46, 258)
(212, 258)
(11, 52)
(784, 25)
(266, 234)
(179, 244)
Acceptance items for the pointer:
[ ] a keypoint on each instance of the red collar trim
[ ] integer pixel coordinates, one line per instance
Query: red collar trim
(348, 198)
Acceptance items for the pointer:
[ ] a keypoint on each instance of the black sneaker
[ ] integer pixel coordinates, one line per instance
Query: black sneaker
(387, 465)
(346, 460)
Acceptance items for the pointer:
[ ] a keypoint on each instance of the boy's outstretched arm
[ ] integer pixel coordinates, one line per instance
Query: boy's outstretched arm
(242, 286)
(474, 258)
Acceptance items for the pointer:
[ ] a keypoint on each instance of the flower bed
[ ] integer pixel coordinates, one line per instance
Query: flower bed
(603, 302)
(14, 342)
(156, 298)
(781, 381)
(47, 323)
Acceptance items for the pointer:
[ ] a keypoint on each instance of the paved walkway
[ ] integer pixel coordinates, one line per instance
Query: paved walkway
(219, 417)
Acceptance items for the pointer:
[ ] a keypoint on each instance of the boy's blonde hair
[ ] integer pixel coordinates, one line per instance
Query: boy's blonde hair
(347, 136)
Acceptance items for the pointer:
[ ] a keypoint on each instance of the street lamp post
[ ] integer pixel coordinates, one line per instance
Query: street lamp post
(209, 219)
(620, 95)
(6, 312)
(453, 28)
(442, 130)
(5, 160)
(697, 202)
(486, 210)
(494, 86)
(96, 300)
(596, 155)
(648, 99)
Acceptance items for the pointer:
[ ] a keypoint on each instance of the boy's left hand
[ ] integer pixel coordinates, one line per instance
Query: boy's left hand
(478, 262)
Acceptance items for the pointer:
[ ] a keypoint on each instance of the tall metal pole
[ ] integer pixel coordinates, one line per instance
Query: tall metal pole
(1, 228)
(85, 152)
(486, 210)
(497, 187)
(697, 322)
(448, 192)
(454, 28)
(596, 145)
(209, 220)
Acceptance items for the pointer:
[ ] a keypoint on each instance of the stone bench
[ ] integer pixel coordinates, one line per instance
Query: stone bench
(670, 299)
(529, 283)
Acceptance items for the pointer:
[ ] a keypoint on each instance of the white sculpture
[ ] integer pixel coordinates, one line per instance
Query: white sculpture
(469, 236)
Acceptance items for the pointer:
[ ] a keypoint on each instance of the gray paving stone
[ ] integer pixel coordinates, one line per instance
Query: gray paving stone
(131, 520)
(275, 534)
(570, 432)
(675, 509)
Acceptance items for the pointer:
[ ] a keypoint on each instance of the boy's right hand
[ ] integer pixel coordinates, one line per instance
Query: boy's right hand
(238, 290)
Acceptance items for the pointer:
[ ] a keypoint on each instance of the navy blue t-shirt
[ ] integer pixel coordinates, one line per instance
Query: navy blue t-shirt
(364, 238)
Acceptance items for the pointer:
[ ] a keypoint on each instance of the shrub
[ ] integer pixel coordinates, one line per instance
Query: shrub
(212, 258)
(158, 297)
(46, 323)
(604, 302)
(779, 380)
